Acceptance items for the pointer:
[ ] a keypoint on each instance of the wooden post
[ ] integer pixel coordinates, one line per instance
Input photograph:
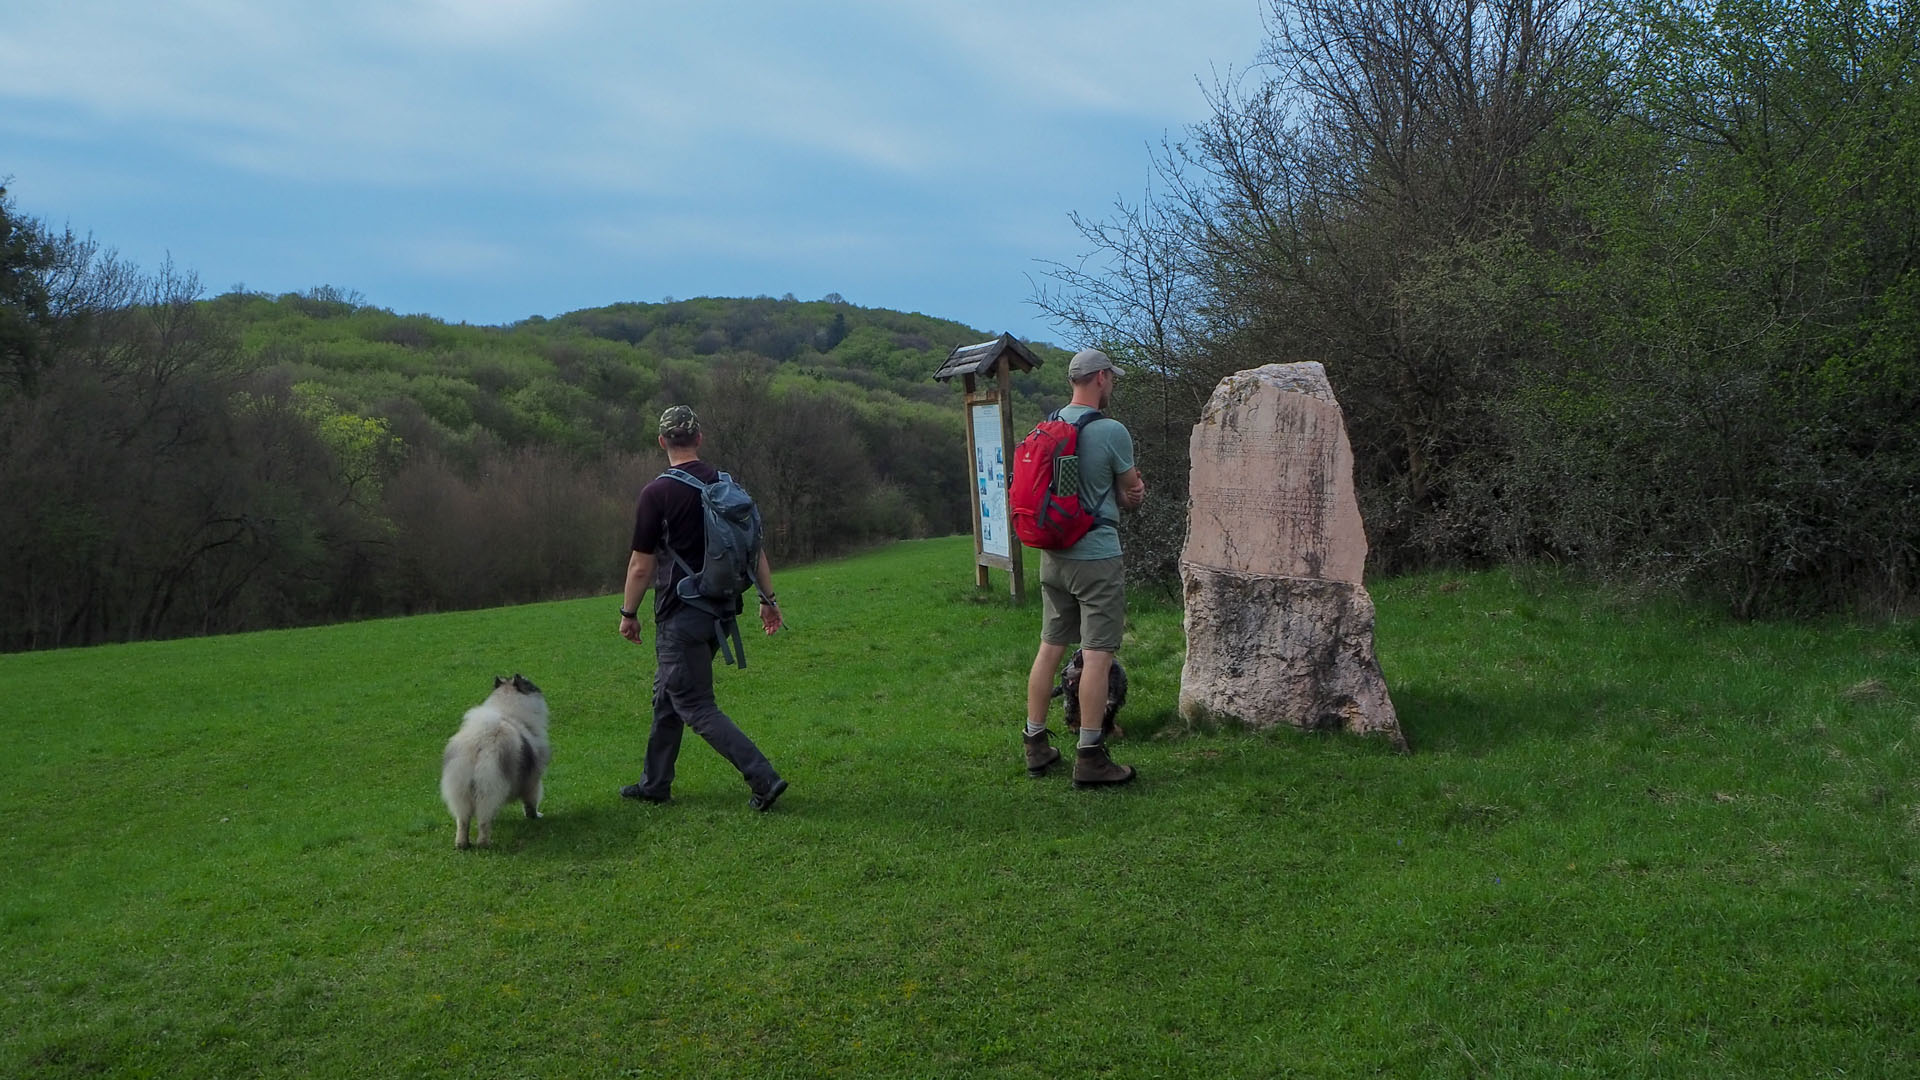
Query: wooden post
(973, 492)
(1008, 441)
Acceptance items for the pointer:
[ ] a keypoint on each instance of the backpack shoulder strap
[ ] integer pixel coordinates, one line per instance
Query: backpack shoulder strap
(1080, 424)
(687, 478)
(1080, 428)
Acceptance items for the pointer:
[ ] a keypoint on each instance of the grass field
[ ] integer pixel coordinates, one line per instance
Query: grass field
(1630, 841)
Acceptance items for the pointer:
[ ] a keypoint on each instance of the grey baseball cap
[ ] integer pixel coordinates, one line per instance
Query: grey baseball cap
(679, 420)
(1087, 361)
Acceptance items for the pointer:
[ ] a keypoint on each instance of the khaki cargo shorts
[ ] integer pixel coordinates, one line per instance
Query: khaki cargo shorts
(1084, 601)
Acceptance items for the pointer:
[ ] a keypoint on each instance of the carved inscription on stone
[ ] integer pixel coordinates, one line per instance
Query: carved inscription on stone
(1272, 483)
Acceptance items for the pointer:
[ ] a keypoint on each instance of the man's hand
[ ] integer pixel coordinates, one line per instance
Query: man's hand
(770, 619)
(630, 629)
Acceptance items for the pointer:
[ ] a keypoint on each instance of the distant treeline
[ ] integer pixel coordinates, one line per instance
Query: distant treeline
(175, 465)
(1627, 285)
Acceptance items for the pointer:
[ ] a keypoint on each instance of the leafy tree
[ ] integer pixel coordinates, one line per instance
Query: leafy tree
(1741, 330)
(26, 257)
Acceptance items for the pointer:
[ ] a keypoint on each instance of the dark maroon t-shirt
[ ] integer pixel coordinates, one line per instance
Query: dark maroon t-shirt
(669, 512)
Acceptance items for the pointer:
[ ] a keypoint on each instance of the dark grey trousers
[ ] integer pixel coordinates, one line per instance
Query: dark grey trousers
(685, 644)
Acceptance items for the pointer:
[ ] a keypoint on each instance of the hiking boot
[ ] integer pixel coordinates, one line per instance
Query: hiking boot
(763, 801)
(1092, 768)
(1040, 753)
(633, 791)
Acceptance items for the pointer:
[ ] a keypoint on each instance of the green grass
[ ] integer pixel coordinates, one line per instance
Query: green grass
(1630, 841)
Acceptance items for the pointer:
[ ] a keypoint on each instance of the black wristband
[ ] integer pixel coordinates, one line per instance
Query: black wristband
(625, 614)
(767, 598)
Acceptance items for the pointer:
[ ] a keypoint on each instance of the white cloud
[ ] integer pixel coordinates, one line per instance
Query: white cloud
(475, 23)
(1137, 57)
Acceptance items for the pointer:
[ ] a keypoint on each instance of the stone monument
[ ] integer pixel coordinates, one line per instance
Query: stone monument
(1279, 627)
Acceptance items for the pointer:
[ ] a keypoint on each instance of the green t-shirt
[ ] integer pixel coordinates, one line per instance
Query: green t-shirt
(1105, 450)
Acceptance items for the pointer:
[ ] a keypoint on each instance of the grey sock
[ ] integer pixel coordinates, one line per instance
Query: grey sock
(1091, 736)
(1035, 729)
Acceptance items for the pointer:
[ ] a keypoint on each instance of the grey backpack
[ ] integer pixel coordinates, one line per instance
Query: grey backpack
(733, 552)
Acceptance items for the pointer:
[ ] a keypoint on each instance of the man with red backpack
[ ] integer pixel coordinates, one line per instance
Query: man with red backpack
(1083, 586)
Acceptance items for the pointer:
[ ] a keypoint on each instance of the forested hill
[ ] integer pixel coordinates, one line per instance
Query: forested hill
(829, 338)
(594, 380)
(178, 465)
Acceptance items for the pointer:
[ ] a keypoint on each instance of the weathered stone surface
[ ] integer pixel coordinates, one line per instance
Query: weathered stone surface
(1265, 651)
(1271, 487)
(1279, 626)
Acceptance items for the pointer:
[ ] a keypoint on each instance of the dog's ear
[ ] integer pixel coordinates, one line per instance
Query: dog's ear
(498, 682)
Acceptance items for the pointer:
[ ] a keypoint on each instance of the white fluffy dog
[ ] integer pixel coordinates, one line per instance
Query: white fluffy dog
(499, 754)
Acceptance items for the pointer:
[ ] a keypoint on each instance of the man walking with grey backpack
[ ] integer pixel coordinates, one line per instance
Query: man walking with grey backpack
(699, 533)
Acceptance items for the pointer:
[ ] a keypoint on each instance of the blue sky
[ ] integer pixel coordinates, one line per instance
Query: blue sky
(486, 160)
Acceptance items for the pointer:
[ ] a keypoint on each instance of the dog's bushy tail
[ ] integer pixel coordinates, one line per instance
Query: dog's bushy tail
(474, 778)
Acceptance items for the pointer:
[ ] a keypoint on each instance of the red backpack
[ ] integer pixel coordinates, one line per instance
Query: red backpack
(1045, 493)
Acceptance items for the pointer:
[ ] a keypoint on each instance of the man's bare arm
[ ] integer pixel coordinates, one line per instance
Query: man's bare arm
(1132, 489)
(770, 619)
(639, 576)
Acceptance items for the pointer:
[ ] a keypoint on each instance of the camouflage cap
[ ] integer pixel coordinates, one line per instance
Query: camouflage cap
(679, 420)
